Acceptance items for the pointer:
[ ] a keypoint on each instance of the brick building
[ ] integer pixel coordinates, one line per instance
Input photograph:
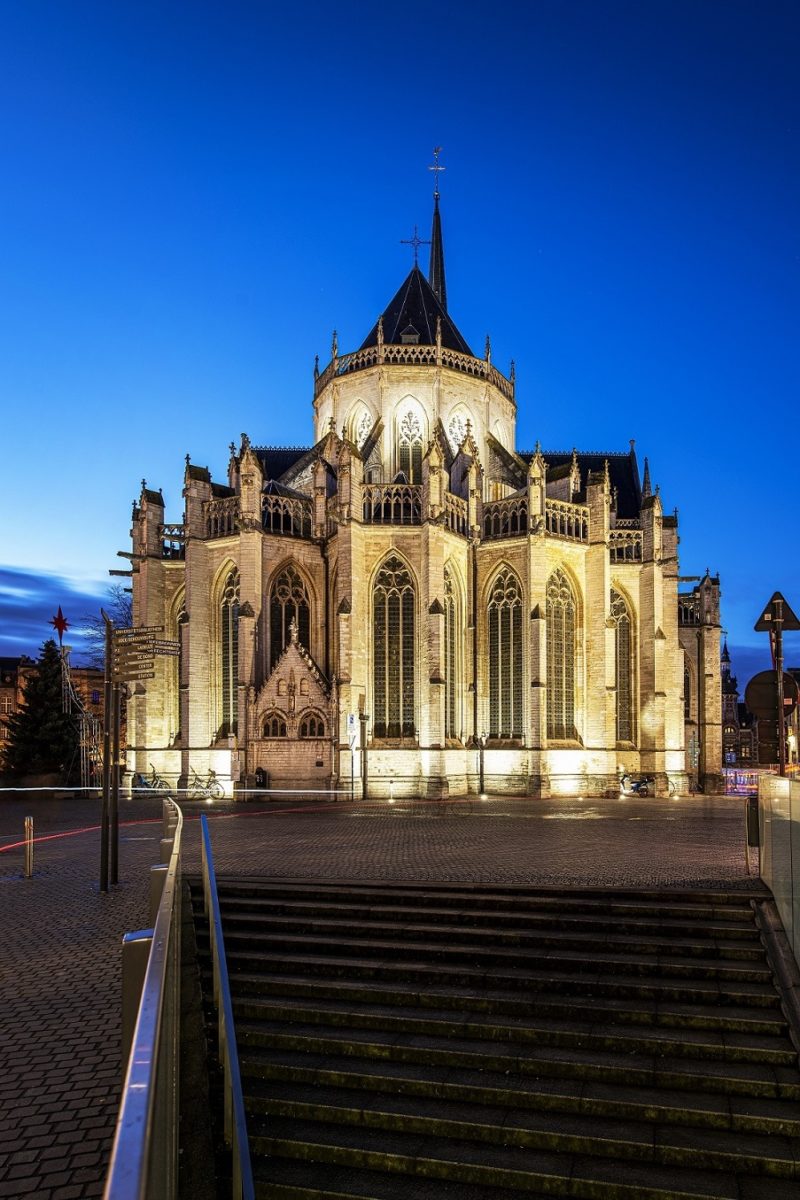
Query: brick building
(413, 578)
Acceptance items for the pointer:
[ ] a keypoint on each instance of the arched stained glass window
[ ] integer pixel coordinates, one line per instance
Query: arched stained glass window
(560, 657)
(393, 640)
(312, 726)
(288, 598)
(625, 664)
(177, 627)
(452, 658)
(274, 725)
(505, 657)
(409, 447)
(457, 430)
(363, 428)
(229, 652)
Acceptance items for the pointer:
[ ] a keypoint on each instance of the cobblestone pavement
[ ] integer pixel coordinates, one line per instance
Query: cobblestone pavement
(683, 842)
(60, 981)
(60, 975)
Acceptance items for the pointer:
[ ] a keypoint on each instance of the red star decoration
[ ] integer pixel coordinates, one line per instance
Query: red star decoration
(60, 623)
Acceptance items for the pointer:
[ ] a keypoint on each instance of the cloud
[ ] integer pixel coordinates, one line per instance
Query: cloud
(29, 600)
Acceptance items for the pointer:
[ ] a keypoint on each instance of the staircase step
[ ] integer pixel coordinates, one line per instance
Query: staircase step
(507, 1168)
(565, 960)
(611, 1011)
(421, 972)
(451, 1025)
(342, 926)
(742, 1078)
(465, 1087)
(728, 904)
(588, 920)
(565, 1133)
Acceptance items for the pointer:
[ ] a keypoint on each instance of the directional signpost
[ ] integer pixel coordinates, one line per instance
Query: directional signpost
(130, 657)
(776, 616)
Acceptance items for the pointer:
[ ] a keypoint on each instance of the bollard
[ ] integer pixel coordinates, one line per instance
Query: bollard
(28, 847)
(158, 875)
(135, 953)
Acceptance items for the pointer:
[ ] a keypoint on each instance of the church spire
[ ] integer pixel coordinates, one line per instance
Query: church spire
(647, 489)
(436, 270)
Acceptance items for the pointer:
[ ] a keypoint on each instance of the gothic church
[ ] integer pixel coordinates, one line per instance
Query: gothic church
(411, 606)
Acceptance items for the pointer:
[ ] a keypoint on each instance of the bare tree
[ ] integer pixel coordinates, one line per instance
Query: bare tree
(119, 606)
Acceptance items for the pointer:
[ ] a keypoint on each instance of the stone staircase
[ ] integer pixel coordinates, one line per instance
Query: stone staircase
(476, 1042)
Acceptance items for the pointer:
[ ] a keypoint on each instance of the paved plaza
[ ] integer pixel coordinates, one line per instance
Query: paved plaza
(60, 1068)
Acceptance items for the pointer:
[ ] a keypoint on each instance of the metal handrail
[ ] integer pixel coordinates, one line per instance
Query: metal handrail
(235, 1125)
(144, 1157)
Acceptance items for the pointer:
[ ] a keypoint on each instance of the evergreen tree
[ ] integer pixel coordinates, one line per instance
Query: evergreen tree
(42, 737)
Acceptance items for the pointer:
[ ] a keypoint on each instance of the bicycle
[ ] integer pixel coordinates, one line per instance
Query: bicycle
(157, 784)
(208, 789)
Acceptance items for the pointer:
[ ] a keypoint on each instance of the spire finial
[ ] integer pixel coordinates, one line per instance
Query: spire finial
(416, 241)
(647, 489)
(436, 269)
(436, 168)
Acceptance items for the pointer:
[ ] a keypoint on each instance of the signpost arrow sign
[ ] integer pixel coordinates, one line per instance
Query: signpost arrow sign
(134, 631)
(776, 611)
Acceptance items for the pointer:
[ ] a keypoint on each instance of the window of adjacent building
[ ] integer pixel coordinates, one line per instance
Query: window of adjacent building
(505, 657)
(393, 641)
(229, 652)
(274, 726)
(288, 599)
(624, 656)
(409, 447)
(312, 726)
(6, 705)
(561, 611)
(452, 658)
(95, 697)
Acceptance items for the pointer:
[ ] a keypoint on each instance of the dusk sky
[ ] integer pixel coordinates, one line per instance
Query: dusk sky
(195, 195)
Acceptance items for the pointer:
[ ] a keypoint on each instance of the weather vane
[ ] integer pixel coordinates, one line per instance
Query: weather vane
(436, 168)
(416, 241)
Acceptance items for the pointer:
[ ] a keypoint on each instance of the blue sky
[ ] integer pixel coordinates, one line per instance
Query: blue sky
(197, 194)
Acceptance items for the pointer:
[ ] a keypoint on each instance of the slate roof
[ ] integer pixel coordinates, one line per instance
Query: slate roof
(415, 304)
(622, 468)
(277, 460)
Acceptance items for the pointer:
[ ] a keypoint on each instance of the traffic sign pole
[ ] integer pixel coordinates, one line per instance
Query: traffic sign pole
(107, 704)
(776, 616)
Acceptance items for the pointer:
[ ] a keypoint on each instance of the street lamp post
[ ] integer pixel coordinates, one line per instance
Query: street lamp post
(481, 748)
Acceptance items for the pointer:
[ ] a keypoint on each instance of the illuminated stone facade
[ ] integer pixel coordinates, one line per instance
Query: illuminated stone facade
(478, 612)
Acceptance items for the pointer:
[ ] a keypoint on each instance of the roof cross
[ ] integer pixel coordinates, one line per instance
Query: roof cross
(437, 150)
(416, 241)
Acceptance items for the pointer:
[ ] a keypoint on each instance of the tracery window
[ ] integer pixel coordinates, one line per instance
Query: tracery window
(625, 664)
(409, 448)
(456, 430)
(452, 658)
(229, 652)
(363, 429)
(274, 726)
(687, 694)
(560, 657)
(505, 657)
(393, 641)
(176, 669)
(312, 726)
(288, 598)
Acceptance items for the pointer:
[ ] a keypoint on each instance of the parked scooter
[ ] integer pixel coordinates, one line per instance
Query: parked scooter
(628, 786)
